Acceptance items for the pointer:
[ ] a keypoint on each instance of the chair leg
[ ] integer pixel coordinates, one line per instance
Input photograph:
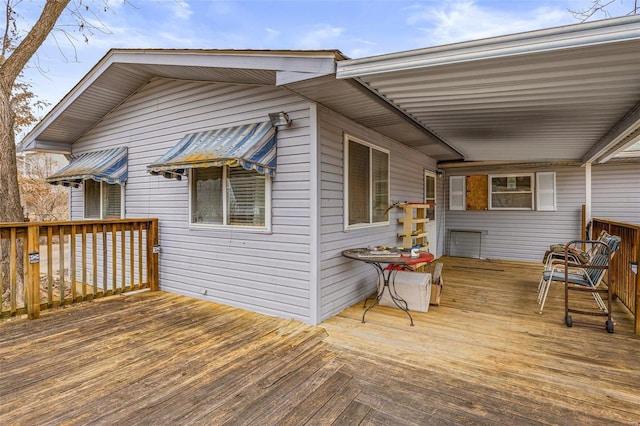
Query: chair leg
(544, 295)
(540, 287)
(599, 301)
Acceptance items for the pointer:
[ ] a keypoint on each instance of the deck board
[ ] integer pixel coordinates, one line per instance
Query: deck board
(484, 356)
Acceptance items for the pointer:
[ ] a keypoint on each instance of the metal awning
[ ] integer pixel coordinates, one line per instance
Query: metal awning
(102, 166)
(251, 146)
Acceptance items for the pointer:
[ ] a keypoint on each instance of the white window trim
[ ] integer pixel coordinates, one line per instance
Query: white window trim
(533, 191)
(346, 140)
(255, 229)
(102, 184)
(540, 189)
(428, 173)
(463, 204)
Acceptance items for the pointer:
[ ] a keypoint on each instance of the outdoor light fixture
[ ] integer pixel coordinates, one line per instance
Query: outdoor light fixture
(279, 119)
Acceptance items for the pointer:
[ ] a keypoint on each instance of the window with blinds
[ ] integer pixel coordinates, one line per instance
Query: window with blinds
(92, 199)
(366, 184)
(229, 196)
(102, 200)
(111, 200)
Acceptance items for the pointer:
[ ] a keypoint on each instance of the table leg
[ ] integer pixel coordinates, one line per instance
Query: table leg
(388, 281)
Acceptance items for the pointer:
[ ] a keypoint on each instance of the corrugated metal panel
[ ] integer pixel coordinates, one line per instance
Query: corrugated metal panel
(108, 165)
(549, 94)
(364, 108)
(268, 273)
(252, 146)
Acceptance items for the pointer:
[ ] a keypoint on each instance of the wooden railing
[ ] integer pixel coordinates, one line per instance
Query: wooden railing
(49, 264)
(624, 278)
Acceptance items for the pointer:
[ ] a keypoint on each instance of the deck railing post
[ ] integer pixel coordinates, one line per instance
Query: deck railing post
(152, 255)
(637, 277)
(32, 271)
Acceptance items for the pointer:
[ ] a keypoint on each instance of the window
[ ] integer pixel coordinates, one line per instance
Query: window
(366, 184)
(513, 192)
(230, 196)
(430, 193)
(102, 200)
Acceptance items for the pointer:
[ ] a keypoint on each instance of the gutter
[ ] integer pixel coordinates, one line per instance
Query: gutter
(552, 39)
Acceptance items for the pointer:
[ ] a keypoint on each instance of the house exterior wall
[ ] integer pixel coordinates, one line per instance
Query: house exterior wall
(615, 191)
(525, 235)
(345, 281)
(264, 272)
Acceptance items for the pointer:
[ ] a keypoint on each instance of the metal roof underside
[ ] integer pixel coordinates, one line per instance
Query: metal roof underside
(571, 93)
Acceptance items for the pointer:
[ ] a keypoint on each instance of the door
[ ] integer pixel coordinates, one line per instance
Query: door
(430, 197)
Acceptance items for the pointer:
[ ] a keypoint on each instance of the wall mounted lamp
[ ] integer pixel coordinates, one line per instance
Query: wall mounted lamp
(279, 119)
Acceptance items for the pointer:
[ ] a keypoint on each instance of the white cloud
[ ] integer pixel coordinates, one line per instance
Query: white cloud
(462, 20)
(181, 9)
(321, 36)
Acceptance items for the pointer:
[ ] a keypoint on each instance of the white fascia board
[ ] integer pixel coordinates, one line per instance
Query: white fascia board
(288, 77)
(35, 145)
(611, 143)
(323, 63)
(567, 37)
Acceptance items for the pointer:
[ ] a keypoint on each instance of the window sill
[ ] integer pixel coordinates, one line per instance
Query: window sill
(365, 226)
(234, 228)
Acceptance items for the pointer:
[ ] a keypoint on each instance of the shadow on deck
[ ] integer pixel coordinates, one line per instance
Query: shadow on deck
(485, 356)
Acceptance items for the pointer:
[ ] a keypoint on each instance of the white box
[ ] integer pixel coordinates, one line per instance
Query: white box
(414, 287)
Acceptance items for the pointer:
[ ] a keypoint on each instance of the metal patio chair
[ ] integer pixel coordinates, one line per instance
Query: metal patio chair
(576, 257)
(587, 278)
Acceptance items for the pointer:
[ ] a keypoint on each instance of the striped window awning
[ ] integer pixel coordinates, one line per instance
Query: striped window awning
(108, 166)
(252, 146)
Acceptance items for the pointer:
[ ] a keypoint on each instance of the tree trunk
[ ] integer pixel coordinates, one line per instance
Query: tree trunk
(10, 68)
(10, 207)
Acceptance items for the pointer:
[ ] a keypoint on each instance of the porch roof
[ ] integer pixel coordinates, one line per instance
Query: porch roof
(567, 93)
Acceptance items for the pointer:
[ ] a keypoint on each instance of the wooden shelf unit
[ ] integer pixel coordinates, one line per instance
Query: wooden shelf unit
(413, 224)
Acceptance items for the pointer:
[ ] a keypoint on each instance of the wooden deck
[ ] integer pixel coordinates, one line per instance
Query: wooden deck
(485, 356)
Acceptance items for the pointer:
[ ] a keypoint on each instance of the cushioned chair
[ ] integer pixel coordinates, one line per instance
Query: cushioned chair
(586, 277)
(576, 257)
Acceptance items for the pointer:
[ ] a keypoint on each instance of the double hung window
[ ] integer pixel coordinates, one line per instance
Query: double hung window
(102, 200)
(230, 196)
(366, 184)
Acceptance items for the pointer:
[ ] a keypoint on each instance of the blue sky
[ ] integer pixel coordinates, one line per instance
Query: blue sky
(358, 28)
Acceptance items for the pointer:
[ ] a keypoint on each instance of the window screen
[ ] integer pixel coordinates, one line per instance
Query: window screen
(367, 173)
(91, 199)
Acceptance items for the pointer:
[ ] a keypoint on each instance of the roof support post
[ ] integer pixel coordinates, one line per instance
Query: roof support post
(587, 193)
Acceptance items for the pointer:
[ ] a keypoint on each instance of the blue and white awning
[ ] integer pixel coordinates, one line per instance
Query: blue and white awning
(252, 146)
(102, 166)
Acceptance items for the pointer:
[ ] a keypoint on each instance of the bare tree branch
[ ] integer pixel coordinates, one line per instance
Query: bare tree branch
(15, 63)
